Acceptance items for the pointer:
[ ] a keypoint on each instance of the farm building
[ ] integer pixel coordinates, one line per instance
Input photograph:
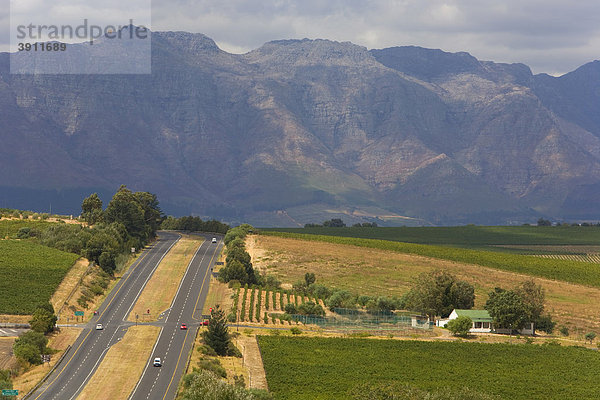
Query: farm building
(482, 322)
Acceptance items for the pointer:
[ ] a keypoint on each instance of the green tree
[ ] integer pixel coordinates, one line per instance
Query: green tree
(290, 308)
(533, 296)
(205, 385)
(5, 383)
(234, 270)
(309, 278)
(590, 336)
(564, 331)
(310, 308)
(91, 209)
(242, 256)
(29, 347)
(460, 326)
(543, 222)
(341, 299)
(334, 223)
(125, 208)
(107, 262)
(545, 324)
(43, 319)
(507, 309)
(217, 335)
(152, 212)
(438, 293)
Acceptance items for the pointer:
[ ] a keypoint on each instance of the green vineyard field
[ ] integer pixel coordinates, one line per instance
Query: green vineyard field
(10, 227)
(30, 273)
(467, 236)
(328, 368)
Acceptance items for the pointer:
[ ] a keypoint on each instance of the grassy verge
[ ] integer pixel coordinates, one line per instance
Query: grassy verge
(563, 270)
(160, 290)
(121, 368)
(69, 283)
(325, 368)
(30, 274)
(59, 340)
(218, 294)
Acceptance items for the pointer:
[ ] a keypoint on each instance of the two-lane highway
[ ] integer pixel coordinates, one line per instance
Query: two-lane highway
(174, 344)
(87, 352)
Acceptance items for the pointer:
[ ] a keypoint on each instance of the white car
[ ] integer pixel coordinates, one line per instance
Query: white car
(157, 362)
(99, 327)
(214, 240)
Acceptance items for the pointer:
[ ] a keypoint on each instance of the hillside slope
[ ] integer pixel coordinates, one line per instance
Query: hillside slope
(309, 129)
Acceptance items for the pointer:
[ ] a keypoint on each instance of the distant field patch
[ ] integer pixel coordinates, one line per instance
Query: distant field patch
(30, 273)
(10, 227)
(467, 236)
(563, 270)
(325, 368)
(589, 258)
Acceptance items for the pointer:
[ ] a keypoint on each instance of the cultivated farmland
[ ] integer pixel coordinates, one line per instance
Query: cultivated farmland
(564, 270)
(254, 304)
(326, 368)
(378, 272)
(10, 227)
(30, 273)
(467, 236)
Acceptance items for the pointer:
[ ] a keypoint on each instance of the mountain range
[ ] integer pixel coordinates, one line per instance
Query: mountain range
(298, 131)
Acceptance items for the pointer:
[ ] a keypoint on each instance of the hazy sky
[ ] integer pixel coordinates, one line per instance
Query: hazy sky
(553, 36)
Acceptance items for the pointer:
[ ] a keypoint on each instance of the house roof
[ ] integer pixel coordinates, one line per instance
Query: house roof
(475, 315)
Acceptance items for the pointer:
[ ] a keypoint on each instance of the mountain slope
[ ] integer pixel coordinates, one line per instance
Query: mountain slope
(300, 130)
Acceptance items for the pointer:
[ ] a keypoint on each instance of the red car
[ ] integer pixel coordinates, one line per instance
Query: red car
(205, 322)
(183, 326)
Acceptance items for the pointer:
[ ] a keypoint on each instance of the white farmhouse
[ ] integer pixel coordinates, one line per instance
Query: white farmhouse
(482, 322)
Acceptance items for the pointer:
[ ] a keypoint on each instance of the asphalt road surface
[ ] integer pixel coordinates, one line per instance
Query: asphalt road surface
(174, 344)
(79, 364)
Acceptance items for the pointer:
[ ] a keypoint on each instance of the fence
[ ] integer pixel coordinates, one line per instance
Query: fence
(349, 320)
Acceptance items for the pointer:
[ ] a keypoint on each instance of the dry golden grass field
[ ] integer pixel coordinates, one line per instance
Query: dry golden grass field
(386, 273)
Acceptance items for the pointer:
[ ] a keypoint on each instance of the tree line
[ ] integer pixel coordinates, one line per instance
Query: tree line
(238, 264)
(194, 224)
(338, 223)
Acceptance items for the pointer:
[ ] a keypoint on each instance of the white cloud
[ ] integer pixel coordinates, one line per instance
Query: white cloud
(552, 36)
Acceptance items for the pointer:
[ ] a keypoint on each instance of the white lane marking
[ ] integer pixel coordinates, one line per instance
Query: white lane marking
(167, 319)
(148, 278)
(135, 280)
(147, 364)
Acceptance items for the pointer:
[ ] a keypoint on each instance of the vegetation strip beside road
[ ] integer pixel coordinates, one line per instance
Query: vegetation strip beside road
(69, 284)
(160, 290)
(325, 368)
(563, 270)
(58, 341)
(122, 366)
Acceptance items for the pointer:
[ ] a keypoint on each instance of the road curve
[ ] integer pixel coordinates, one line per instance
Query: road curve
(79, 364)
(174, 344)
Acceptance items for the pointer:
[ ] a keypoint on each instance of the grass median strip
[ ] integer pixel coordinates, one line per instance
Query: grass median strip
(123, 365)
(160, 290)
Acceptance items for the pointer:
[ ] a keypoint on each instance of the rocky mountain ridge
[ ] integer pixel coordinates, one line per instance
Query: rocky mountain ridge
(299, 131)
